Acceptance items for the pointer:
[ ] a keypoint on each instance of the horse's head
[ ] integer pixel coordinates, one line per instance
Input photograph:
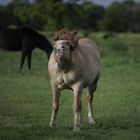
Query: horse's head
(64, 44)
(44, 44)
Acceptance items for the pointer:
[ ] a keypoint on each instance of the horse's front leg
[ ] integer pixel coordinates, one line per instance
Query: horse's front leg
(55, 104)
(77, 107)
(23, 56)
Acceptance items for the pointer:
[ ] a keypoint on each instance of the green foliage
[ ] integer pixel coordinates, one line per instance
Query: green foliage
(91, 15)
(114, 18)
(136, 18)
(122, 17)
(57, 14)
(6, 16)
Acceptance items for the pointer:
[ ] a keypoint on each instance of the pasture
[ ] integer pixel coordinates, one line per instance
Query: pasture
(25, 96)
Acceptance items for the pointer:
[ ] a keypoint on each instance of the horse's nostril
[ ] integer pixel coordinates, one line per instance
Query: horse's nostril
(63, 47)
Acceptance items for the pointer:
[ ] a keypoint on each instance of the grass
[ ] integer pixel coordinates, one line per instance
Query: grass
(25, 101)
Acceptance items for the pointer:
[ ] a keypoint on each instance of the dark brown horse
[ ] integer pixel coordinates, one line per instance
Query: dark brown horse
(25, 40)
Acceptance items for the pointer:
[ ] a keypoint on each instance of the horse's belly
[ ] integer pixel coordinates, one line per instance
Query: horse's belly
(11, 47)
(90, 76)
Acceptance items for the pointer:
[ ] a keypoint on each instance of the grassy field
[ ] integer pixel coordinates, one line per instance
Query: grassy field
(25, 97)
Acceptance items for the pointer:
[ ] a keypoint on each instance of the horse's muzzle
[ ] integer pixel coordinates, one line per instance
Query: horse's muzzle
(62, 54)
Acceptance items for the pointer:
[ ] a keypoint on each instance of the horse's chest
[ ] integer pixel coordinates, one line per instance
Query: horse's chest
(64, 80)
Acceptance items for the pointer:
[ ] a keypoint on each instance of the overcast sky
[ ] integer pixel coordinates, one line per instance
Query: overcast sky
(107, 2)
(100, 2)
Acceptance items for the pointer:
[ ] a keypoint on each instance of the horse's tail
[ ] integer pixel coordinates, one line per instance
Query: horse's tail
(0, 36)
(0, 39)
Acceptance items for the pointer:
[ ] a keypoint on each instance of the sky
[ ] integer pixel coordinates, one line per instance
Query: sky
(107, 2)
(100, 2)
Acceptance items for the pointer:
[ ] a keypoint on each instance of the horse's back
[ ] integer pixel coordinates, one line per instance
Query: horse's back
(90, 50)
(11, 39)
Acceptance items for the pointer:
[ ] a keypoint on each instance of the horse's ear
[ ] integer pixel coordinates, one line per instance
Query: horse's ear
(74, 32)
(59, 33)
(56, 38)
(62, 31)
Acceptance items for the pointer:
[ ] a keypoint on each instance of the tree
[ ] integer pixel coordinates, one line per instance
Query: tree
(128, 9)
(71, 17)
(136, 18)
(6, 16)
(114, 19)
(47, 10)
(23, 10)
(91, 15)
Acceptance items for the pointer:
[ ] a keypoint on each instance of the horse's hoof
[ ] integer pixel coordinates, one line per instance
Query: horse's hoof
(91, 121)
(77, 129)
(52, 125)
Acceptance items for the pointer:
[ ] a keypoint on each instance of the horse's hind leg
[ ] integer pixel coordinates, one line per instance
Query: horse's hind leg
(29, 57)
(80, 115)
(90, 95)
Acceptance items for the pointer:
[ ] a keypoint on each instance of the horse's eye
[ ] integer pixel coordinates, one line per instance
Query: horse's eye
(63, 47)
(67, 43)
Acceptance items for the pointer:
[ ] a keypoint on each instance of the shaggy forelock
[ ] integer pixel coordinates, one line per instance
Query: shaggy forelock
(66, 35)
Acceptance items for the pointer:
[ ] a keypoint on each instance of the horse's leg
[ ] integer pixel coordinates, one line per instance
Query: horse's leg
(55, 104)
(25, 51)
(80, 116)
(77, 106)
(29, 57)
(23, 56)
(90, 95)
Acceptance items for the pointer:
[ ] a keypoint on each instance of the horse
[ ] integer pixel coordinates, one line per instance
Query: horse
(24, 39)
(74, 64)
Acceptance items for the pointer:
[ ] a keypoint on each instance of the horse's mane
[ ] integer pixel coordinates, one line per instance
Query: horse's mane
(66, 35)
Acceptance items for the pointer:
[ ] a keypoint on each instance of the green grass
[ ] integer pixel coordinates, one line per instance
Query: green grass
(25, 101)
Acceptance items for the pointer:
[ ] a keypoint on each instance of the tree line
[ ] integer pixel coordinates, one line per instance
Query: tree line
(57, 14)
